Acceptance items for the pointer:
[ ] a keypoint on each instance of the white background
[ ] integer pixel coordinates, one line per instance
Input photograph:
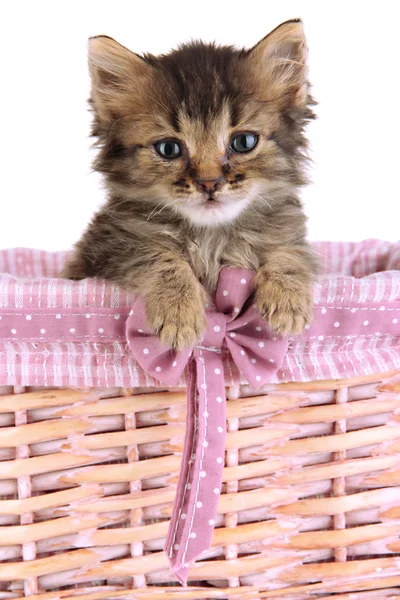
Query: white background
(47, 191)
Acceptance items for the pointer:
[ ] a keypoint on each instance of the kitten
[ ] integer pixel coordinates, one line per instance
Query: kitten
(202, 151)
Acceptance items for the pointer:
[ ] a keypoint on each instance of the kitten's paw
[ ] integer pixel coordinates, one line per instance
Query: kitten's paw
(288, 309)
(178, 323)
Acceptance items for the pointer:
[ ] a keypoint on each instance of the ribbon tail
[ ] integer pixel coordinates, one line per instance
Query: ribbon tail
(171, 544)
(181, 572)
(200, 479)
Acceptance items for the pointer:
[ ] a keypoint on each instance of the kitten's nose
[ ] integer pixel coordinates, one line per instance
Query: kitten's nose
(209, 185)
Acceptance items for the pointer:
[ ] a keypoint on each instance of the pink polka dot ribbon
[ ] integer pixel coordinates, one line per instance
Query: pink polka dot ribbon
(234, 326)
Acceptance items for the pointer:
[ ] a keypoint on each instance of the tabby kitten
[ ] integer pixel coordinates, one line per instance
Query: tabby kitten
(202, 151)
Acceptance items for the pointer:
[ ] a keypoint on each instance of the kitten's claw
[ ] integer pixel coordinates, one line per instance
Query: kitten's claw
(287, 309)
(180, 337)
(178, 323)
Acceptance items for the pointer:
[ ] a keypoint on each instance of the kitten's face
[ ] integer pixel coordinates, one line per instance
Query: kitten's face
(204, 131)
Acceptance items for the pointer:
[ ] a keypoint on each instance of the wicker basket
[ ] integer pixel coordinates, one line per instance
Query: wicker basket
(310, 504)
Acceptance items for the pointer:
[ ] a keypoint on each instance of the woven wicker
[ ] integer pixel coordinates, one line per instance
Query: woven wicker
(310, 505)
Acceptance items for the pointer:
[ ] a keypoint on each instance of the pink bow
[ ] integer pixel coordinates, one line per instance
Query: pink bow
(236, 327)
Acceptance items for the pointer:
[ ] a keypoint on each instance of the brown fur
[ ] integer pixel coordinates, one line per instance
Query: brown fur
(146, 238)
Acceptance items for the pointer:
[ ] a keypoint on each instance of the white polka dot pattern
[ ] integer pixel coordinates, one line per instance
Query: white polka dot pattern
(248, 347)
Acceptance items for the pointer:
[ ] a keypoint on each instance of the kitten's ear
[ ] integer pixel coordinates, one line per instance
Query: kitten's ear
(115, 71)
(281, 59)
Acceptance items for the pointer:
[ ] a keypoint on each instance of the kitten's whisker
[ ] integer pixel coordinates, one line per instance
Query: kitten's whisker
(154, 213)
(167, 205)
(264, 200)
(257, 213)
(251, 205)
(113, 208)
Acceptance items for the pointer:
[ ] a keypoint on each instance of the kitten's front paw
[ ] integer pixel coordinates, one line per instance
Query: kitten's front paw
(178, 322)
(288, 309)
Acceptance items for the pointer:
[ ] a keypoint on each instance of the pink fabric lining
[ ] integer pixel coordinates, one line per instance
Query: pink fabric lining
(91, 333)
(360, 290)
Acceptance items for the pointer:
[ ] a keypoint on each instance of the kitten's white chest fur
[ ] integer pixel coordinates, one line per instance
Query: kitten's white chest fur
(210, 249)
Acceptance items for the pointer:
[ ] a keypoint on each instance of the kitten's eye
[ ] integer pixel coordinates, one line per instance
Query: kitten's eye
(244, 142)
(169, 149)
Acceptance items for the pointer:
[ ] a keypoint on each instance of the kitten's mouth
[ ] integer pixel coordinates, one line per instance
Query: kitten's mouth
(211, 202)
(211, 210)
